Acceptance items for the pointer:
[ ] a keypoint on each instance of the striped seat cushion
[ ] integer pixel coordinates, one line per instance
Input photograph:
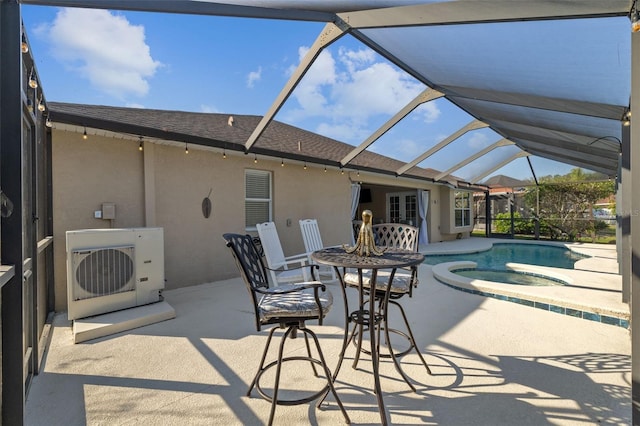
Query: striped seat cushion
(301, 303)
(401, 281)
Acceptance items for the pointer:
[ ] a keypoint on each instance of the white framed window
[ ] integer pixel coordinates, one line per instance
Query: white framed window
(257, 198)
(462, 208)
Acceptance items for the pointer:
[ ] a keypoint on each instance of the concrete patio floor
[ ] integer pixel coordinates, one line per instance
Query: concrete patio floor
(494, 363)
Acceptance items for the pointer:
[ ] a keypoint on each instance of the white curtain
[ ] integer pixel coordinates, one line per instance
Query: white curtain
(423, 207)
(355, 199)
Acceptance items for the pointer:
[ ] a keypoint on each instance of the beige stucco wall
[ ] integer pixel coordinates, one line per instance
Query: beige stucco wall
(87, 173)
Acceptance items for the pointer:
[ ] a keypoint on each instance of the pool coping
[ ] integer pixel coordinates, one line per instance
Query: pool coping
(588, 294)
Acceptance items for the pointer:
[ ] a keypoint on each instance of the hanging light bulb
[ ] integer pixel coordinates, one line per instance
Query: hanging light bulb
(24, 46)
(341, 171)
(84, 135)
(140, 146)
(224, 154)
(33, 83)
(282, 162)
(305, 165)
(325, 169)
(186, 148)
(48, 123)
(255, 158)
(41, 106)
(635, 19)
(29, 105)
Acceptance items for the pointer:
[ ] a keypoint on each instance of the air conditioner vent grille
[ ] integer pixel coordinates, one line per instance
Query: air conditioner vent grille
(104, 271)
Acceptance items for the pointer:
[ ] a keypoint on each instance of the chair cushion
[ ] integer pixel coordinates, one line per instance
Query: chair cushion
(298, 304)
(401, 280)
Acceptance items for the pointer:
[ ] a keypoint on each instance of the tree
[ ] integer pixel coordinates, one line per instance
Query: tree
(566, 202)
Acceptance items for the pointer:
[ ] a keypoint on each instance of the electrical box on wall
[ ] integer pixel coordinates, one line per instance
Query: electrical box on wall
(108, 210)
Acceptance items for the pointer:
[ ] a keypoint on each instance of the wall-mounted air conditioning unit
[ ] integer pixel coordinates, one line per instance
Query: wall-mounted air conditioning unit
(113, 269)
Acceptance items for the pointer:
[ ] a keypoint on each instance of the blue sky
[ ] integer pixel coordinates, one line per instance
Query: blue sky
(238, 66)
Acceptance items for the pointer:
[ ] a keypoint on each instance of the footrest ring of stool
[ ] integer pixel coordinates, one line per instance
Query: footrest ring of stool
(290, 401)
(384, 355)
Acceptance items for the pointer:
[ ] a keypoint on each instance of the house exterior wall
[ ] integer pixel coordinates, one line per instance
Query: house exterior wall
(87, 173)
(164, 187)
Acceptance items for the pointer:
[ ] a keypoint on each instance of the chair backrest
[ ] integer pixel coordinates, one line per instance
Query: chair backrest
(355, 226)
(271, 244)
(396, 235)
(311, 235)
(250, 265)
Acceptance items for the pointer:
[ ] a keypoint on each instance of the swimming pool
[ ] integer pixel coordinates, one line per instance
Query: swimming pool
(502, 253)
(561, 295)
(508, 277)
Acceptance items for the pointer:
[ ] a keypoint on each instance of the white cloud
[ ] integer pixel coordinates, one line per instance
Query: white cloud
(349, 89)
(354, 58)
(105, 49)
(429, 112)
(341, 132)
(209, 109)
(408, 149)
(478, 140)
(404, 149)
(309, 92)
(253, 77)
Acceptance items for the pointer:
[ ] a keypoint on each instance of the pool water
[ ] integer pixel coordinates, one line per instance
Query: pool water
(500, 254)
(508, 277)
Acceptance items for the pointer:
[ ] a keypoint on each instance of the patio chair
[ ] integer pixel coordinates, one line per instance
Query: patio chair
(282, 269)
(313, 242)
(396, 236)
(286, 307)
(355, 227)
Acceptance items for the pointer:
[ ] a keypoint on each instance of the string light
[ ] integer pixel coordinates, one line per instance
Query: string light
(282, 162)
(33, 83)
(186, 148)
(24, 46)
(48, 123)
(84, 135)
(341, 171)
(255, 158)
(140, 146)
(305, 165)
(325, 169)
(224, 153)
(634, 15)
(41, 106)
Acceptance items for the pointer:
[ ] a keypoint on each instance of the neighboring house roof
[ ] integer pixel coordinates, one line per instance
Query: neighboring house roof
(502, 181)
(279, 140)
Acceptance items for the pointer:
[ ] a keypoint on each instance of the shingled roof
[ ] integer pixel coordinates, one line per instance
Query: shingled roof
(502, 181)
(208, 129)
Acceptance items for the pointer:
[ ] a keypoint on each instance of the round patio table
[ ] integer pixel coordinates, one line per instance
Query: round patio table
(372, 316)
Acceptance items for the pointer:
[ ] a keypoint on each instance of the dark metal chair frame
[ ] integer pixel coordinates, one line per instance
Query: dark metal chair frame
(399, 236)
(254, 274)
